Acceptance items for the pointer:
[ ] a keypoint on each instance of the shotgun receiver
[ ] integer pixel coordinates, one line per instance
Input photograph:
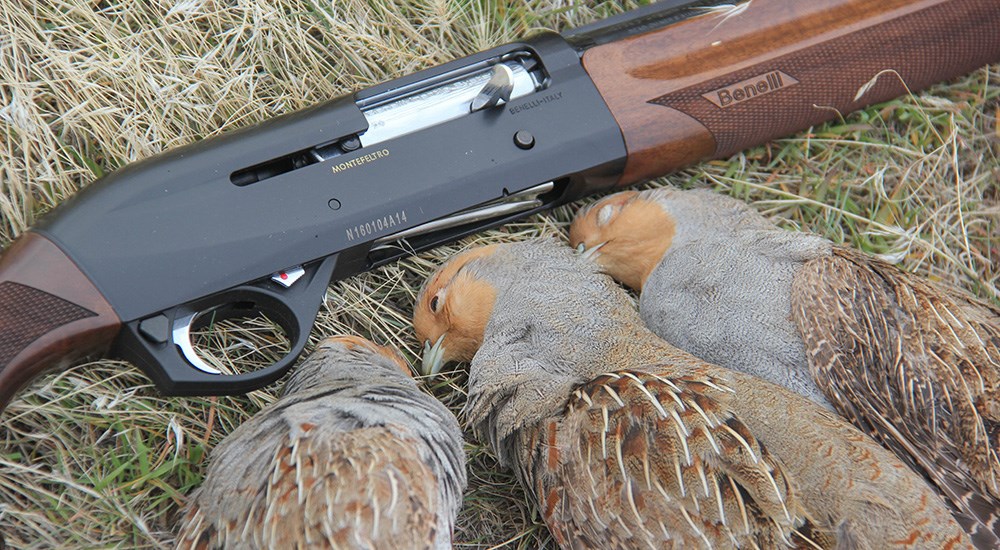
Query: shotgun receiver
(261, 220)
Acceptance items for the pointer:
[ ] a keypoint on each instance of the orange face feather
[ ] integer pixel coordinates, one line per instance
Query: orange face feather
(626, 234)
(455, 306)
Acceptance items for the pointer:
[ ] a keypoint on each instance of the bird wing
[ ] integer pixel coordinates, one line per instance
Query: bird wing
(365, 488)
(915, 366)
(643, 459)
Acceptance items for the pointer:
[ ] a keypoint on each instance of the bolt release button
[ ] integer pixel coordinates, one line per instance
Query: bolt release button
(155, 329)
(524, 139)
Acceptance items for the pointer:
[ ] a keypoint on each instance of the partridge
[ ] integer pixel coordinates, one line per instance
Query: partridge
(625, 441)
(914, 365)
(353, 455)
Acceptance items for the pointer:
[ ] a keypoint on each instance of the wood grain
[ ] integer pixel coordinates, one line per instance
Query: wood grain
(664, 86)
(50, 313)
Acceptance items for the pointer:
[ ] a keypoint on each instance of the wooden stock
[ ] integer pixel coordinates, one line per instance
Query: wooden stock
(714, 85)
(50, 313)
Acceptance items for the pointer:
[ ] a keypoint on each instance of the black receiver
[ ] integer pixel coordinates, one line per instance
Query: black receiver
(261, 220)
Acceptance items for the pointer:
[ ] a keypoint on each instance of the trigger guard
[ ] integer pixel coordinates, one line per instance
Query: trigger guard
(169, 358)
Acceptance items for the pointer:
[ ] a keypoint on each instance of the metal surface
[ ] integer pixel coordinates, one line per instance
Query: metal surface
(499, 88)
(181, 335)
(226, 213)
(518, 202)
(287, 277)
(441, 103)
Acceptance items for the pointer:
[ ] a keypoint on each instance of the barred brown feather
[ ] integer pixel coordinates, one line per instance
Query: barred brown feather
(637, 454)
(628, 442)
(354, 455)
(916, 367)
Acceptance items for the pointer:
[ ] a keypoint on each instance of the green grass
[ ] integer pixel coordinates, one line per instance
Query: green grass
(94, 457)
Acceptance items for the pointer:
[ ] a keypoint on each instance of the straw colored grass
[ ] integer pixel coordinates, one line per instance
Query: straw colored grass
(93, 456)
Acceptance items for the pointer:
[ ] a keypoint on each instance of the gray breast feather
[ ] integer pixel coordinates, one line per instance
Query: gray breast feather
(729, 302)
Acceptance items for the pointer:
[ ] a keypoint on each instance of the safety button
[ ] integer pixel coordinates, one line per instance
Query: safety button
(287, 277)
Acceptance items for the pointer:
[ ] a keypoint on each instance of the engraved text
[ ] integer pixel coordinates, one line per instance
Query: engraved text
(358, 161)
(377, 225)
(749, 89)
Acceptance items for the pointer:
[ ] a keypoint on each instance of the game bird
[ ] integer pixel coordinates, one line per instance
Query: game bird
(625, 441)
(353, 455)
(915, 365)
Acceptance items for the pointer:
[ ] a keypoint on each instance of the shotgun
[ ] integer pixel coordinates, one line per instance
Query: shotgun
(261, 220)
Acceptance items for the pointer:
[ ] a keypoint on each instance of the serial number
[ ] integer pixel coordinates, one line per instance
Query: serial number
(377, 225)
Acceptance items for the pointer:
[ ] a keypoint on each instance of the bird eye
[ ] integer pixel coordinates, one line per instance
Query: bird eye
(434, 304)
(581, 248)
(605, 214)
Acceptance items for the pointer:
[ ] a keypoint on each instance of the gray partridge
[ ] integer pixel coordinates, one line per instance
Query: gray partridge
(625, 441)
(353, 455)
(914, 365)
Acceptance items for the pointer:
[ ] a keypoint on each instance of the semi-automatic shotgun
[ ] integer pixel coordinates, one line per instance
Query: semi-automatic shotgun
(261, 220)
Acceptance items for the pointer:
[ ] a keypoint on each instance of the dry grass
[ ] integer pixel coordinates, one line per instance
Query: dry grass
(94, 457)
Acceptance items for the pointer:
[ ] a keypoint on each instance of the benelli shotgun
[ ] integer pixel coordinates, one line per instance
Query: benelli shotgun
(261, 220)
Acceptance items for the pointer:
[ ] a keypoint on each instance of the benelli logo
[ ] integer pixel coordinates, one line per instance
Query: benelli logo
(750, 88)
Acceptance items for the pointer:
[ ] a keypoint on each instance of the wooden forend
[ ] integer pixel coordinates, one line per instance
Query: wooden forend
(714, 85)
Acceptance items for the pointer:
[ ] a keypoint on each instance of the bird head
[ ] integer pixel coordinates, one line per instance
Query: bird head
(534, 320)
(534, 285)
(347, 357)
(626, 234)
(452, 310)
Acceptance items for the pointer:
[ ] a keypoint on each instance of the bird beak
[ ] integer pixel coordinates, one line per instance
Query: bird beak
(433, 358)
(589, 253)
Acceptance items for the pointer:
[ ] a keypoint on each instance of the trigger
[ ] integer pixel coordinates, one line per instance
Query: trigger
(182, 338)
